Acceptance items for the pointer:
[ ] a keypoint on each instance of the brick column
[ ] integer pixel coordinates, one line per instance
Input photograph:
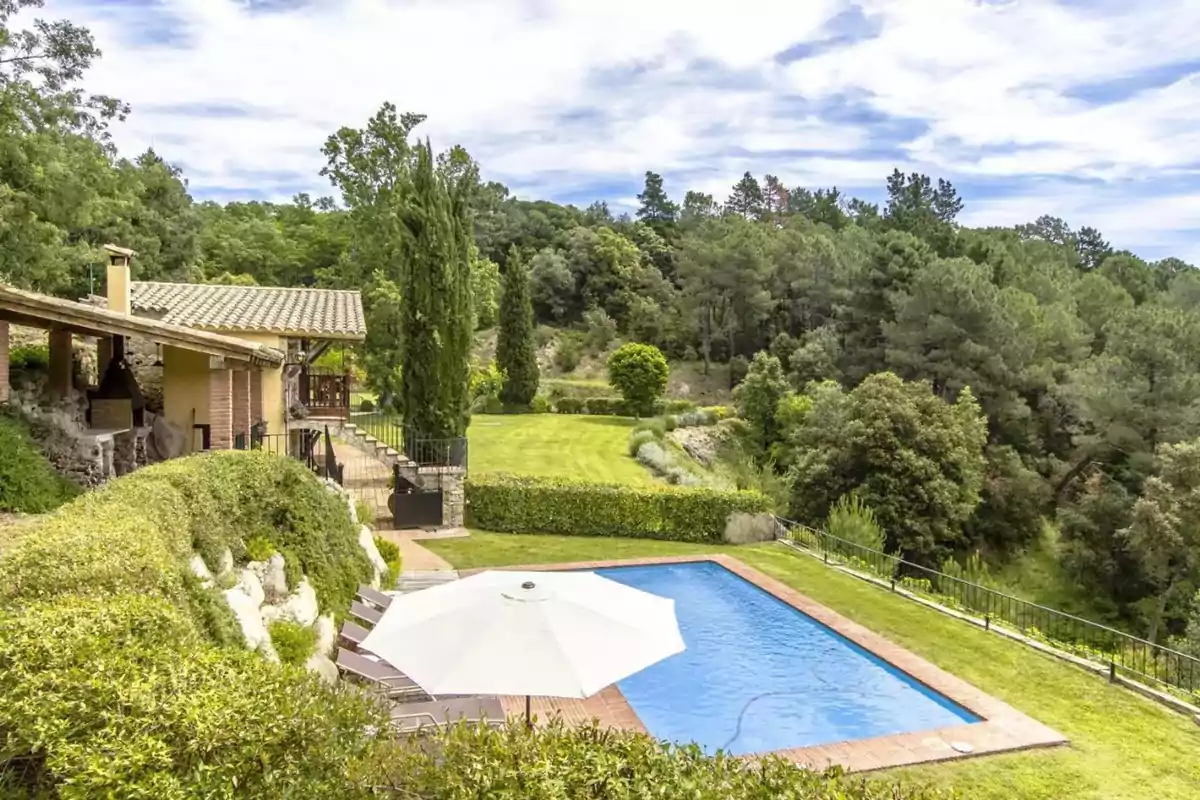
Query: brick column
(220, 407)
(256, 397)
(61, 357)
(3, 362)
(241, 405)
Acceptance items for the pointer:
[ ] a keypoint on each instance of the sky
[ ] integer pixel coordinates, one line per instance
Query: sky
(1084, 109)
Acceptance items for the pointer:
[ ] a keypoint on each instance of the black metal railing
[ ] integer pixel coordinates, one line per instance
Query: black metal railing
(424, 451)
(302, 445)
(1119, 652)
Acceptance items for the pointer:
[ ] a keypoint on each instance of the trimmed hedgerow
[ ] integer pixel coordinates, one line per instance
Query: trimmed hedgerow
(518, 504)
(558, 761)
(28, 483)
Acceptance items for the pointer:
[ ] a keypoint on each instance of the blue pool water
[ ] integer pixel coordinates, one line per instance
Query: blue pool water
(759, 675)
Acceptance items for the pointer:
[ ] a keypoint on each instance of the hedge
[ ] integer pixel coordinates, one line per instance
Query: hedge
(28, 482)
(121, 675)
(559, 761)
(519, 504)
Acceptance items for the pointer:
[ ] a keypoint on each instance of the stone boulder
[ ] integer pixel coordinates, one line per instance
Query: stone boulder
(324, 667)
(366, 540)
(201, 571)
(300, 607)
(251, 586)
(271, 575)
(249, 619)
(326, 635)
(225, 565)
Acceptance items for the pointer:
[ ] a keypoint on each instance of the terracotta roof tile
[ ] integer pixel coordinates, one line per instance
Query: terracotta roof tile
(320, 313)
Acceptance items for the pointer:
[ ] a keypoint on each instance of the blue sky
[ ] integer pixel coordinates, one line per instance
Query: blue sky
(1086, 109)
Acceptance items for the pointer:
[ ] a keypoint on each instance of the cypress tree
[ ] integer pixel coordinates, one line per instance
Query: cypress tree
(436, 310)
(515, 353)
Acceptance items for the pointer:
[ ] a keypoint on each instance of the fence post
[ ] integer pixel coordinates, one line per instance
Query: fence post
(1112, 669)
(987, 622)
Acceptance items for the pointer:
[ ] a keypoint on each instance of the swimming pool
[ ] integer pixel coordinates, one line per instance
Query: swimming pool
(759, 675)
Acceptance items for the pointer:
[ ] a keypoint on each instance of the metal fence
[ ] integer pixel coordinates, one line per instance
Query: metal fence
(1120, 652)
(303, 445)
(425, 451)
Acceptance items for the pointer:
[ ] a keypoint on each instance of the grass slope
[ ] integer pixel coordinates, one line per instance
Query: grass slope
(549, 445)
(1121, 745)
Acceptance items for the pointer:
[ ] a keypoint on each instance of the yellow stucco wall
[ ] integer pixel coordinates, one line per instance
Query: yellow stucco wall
(274, 410)
(185, 391)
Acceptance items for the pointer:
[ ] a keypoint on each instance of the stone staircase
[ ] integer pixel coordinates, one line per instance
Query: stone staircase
(381, 451)
(416, 580)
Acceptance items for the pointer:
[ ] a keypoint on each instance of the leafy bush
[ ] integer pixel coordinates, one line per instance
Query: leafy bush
(540, 405)
(654, 456)
(565, 387)
(569, 405)
(601, 329)
(366, 404)
(655, 425)
(853, 520)
(364, 511)
(639, 438)
(677, 406)
(569, 351)
(293, 642)
(30, 357)
(639, 372)
(120, 696)
(509, 503)
(259, 549)
(390, 552)
(738, 367)
(605, 406)
(557, 761)
(28, 483)
(136, 534)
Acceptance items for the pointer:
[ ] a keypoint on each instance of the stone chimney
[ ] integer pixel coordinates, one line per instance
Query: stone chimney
(119, 284)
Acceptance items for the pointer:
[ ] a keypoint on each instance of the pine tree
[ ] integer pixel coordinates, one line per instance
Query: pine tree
(746, 198)
(657, 210)
(514, 347)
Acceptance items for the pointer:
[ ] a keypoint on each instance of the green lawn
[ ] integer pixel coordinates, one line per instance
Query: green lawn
(1121, 745)
(555, 445)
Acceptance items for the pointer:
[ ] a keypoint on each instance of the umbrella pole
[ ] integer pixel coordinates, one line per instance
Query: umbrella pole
(528, 715)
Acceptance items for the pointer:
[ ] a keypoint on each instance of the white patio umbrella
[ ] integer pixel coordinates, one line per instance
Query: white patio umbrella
(550, 634)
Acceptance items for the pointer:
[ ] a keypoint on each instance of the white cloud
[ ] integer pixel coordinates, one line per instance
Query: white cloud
(984, 88)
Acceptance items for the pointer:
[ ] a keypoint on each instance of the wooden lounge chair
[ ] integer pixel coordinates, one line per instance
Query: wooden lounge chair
(410, 718)
(380, 675)
(353, 634)
(374, 597)
(369, 615)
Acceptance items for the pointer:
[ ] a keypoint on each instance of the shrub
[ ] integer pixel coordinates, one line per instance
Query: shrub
(293, 642)
(670, 422)
(28, 483)
(390, 552)
(31, 357)
(655, 457)
(569, 405)
(639, 438)
(569, 351)
(605, 406)
(738, 367)
(120, 696)
(366, 404)
(565, 387)
(851, 519)
(601, 329)
(655, 425)
(259, 549)
(677, 406)
(560, 761)
(639, 372)
(136, 534)
(540, 405)
(364, 511)
(509, 503)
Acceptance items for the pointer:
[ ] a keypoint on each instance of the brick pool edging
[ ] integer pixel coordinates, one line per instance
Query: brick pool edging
(1002, 729)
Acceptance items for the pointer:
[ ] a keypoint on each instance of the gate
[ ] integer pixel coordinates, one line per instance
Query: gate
(414, 506)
